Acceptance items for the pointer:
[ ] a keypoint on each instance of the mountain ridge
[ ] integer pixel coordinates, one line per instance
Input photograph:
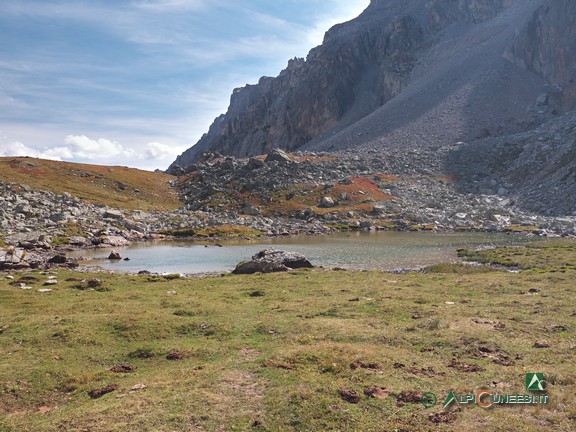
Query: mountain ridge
(431, 48)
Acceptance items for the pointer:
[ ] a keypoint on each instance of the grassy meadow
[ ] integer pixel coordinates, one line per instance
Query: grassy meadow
(292, 351)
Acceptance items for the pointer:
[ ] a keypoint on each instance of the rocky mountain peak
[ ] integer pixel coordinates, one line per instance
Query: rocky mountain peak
(410, 74)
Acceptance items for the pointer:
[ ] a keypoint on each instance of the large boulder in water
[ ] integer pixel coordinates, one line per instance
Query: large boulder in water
(270, 261)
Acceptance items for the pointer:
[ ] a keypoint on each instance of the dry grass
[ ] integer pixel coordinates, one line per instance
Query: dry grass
(120, 187)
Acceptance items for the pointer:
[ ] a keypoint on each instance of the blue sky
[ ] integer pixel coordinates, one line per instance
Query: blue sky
(136, 82)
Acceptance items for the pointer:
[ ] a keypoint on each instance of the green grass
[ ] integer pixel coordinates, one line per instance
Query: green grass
(222, 231)
(277, 360)
(555, 255)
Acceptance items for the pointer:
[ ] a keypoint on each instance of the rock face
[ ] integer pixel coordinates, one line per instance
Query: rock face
(270, 261)
(410, 73)
(547, 46)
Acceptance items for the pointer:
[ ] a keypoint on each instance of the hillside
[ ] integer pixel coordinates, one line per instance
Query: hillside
(119, 187)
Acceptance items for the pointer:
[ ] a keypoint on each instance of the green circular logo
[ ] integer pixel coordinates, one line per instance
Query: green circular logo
(429, 400)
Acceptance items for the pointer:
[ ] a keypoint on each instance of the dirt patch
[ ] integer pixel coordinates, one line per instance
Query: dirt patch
(175, 355)
(443, 417)
(542, 345)
(359, 364)
(98, 393)
(410, 396)
(350, 396)
(464, 367)
(377, 392)
(123, 368)
(494, 324)
(429, 372)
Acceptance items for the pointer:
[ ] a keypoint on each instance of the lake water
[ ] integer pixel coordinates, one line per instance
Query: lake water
(356, 250)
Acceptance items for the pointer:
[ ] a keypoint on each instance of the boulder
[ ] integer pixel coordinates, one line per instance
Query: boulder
(113, 214)
(114, 256)
(58, 259)
(279, 156)
(270, 260)
(327, 202)
(114, 241)
(251, 267)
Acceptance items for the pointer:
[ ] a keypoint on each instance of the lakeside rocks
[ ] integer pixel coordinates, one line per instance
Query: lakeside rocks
(406, 190)
(308, 194)
(270, 261)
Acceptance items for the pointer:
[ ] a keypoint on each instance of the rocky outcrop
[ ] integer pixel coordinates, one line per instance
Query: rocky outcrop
(547, 46)
(271, 261)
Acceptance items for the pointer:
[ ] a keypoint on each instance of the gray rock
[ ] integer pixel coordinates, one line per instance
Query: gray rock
(279, 156)
(251, 267)
(113, 214)
(113, 241)
(114, 256)
(327, 202)
(270, 260)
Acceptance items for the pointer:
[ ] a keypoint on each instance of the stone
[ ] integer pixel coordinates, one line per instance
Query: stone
(279, 156)
(270, 261)
(113, 241)
(113, 214)
(58, 259)
(114, 256)
(327, 202)
(59, 217)
(251, 267)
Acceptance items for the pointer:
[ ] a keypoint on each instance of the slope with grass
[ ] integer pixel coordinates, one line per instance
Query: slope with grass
(114, 186)
(282, 352)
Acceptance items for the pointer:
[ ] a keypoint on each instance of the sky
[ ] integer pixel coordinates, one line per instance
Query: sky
(137, 82)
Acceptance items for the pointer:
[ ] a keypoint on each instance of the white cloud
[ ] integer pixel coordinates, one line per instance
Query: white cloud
(159, 152)
(82, 147)
(16, 148)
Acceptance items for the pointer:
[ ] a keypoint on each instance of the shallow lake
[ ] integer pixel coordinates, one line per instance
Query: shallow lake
(355, 250)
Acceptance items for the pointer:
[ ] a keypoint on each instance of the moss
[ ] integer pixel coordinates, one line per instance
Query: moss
(59, 241)
(223, 231)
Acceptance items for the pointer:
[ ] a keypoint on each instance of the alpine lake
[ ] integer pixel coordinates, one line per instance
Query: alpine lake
(381, 250)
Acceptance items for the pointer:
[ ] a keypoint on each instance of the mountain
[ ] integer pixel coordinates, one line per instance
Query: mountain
(410, 74)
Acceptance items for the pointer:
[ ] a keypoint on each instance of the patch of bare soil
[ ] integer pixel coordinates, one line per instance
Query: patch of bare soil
(98, 393)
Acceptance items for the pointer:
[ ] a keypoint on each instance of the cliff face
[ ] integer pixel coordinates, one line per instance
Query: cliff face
(547, 46)
(393, 60)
